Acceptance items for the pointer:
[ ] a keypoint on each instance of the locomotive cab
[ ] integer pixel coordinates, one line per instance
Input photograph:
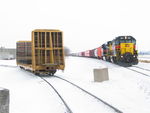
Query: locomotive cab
(125, 49)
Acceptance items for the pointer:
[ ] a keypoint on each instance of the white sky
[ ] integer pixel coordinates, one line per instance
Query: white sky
(86, 24)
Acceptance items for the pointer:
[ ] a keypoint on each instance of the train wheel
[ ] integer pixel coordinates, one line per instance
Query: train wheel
(21, 67)
(135, 61)
(36, 73)
(105, 58)
(52, 72)
(109, 59)
(114, 59)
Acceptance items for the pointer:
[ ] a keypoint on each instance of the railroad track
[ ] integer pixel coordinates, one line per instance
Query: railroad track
(140, 70)
(137, 69)
(7, 66)
(68, 110)
(83, 90)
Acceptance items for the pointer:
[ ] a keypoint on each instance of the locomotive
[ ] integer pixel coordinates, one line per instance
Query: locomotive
(121, 50)
(44, 54)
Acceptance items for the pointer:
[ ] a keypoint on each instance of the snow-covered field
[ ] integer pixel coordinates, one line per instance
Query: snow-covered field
(126, 90)
(144, 57)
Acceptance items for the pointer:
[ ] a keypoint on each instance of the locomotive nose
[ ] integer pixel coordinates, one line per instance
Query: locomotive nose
(128, 57)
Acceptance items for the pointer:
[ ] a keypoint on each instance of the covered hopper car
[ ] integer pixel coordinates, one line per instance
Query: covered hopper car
(44, 54)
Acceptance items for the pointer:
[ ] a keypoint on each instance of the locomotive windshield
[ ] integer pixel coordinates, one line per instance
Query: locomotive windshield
(125, 39)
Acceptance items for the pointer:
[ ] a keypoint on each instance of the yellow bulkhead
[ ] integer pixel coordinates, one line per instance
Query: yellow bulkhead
(47, 50)
(44, 53)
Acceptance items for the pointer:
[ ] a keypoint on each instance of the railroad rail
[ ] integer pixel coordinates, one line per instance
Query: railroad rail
(97, 98)
(65, 104)
(7, 66)
(130, 68)
(141, 68)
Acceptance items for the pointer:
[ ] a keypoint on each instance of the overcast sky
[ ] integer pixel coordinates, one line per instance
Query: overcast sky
(86, 24)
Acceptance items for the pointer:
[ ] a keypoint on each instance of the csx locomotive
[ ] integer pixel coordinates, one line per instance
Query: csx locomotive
(121, 50)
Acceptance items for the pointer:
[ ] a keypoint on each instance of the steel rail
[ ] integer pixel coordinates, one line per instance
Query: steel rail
(141, 68)
(7, 66)
(137, 71)
(112, 107)
(67, 107)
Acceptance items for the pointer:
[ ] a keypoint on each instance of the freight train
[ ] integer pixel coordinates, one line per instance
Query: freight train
(121, 50)
(44, 54)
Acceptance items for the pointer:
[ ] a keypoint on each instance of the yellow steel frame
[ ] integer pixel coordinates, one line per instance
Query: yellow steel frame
(52, 58)
(20, 64)
(51, 48)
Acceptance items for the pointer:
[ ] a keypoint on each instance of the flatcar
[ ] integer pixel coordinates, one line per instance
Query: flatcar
(121, 50)
(44, 54)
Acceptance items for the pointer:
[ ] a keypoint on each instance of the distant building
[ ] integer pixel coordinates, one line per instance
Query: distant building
(7, 53)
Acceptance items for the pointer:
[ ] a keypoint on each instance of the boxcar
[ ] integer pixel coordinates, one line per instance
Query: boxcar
(82, 53)
(92, 55)
(95, 53)
(87, 53)
(44, 54)
(100, 52)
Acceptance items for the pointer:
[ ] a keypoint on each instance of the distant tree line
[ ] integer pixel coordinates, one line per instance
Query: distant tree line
(66, 51)
(144, 53)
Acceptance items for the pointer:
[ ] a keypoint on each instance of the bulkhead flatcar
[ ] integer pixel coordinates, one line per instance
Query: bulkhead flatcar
(44, 54)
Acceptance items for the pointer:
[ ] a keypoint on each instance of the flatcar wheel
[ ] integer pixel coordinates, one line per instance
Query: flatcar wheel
(21, 67)
(36, 73)
(51, 73)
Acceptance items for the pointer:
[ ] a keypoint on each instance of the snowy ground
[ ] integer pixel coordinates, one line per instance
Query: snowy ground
(126, 90)
(144, 57)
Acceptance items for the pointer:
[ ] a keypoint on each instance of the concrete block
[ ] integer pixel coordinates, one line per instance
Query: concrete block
(4, 100)
(101, 75)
